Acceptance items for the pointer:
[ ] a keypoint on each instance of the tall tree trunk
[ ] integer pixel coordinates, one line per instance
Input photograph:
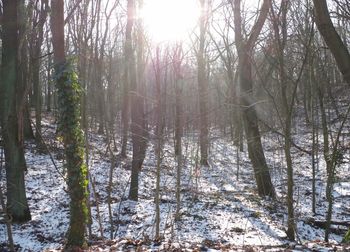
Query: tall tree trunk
(17, 204)
(280, 32)
(35, 60)
(203, 89)
(342, 58)
(23, 81)
(332, 38)
(159, 136)
(49, 87)
(128, 56)
(249, 115)
(138, 123)
(177, 62)
(69, 126)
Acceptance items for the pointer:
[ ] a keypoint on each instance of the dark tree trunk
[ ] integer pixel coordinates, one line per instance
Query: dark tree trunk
(287, 104)
(17, 204)
(138, 123)
(129, 57)
(69, 126)
(252, 132)
(332, 38)
(35, 60)
(49, 88)
(203, 89)
(247, 100)
(23, 79)
(177, 62)
(159, 137)
(342, 57)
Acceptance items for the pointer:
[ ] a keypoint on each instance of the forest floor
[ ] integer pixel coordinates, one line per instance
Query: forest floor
(220, 209)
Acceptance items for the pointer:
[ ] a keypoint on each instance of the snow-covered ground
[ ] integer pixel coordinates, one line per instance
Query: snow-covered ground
(220, 209)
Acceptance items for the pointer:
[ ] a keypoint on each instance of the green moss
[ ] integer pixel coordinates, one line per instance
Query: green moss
(69, 93)
(347, 237)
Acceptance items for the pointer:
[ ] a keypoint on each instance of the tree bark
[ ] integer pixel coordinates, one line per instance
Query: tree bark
(203, 89)
(332, 38)
(177, 62)
(280, 32)
(247, 101)
(342, 58)
(35, 60)
(138, 122)
(159, 137)
(17, 204)
(69, 126)
(128, 55)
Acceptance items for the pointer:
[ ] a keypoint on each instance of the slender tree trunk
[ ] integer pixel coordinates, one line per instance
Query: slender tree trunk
(24, 123)
(249, 115)
(136, 92)
(326, 154)
(129, 59)
(49, 88)
(35, 60)
(125, 116)
(15, 164)
(37, 99)
(178, 141)
(177, 65)
(280, 31)
(159, 136)
(7, 218)
(203, 89)
(342, 58)
(24, 87)
(135, 113)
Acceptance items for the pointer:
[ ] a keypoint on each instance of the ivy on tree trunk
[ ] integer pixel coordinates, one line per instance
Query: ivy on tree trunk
(69, 93)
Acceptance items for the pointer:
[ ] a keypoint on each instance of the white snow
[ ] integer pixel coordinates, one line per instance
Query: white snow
(217, 207)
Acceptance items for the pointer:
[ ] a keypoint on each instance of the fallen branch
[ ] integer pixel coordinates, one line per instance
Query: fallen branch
(344, 225)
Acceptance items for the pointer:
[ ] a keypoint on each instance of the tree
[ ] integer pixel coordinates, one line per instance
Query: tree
(342, 58)
(203, 85)
(279, 22)
(332, 38)
(24, 75)
(129, 60)
(135, 84)
(69, 127)
(247, 101)
(177, 59)
(36, 44)
(17, 204)
(159, 135)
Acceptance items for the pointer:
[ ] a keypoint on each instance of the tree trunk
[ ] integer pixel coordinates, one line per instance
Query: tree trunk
(128, 56)
(247, 101)
(136, 92)
(203, 89)
(178, 126)
(159, 136)
(17, 204)
(24, 123)
(342, 58)
(35, 60)
(69, 126)
(280, 33)
(332, 38)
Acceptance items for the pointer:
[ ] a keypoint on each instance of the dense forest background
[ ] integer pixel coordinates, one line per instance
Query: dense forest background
(132, 142)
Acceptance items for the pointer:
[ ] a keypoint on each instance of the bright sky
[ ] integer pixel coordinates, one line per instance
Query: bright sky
(170, 20)
(173, 20)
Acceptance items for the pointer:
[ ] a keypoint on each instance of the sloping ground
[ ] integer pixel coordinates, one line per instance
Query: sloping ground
(220, 209)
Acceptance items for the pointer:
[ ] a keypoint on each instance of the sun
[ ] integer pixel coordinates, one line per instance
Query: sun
(170, 20)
